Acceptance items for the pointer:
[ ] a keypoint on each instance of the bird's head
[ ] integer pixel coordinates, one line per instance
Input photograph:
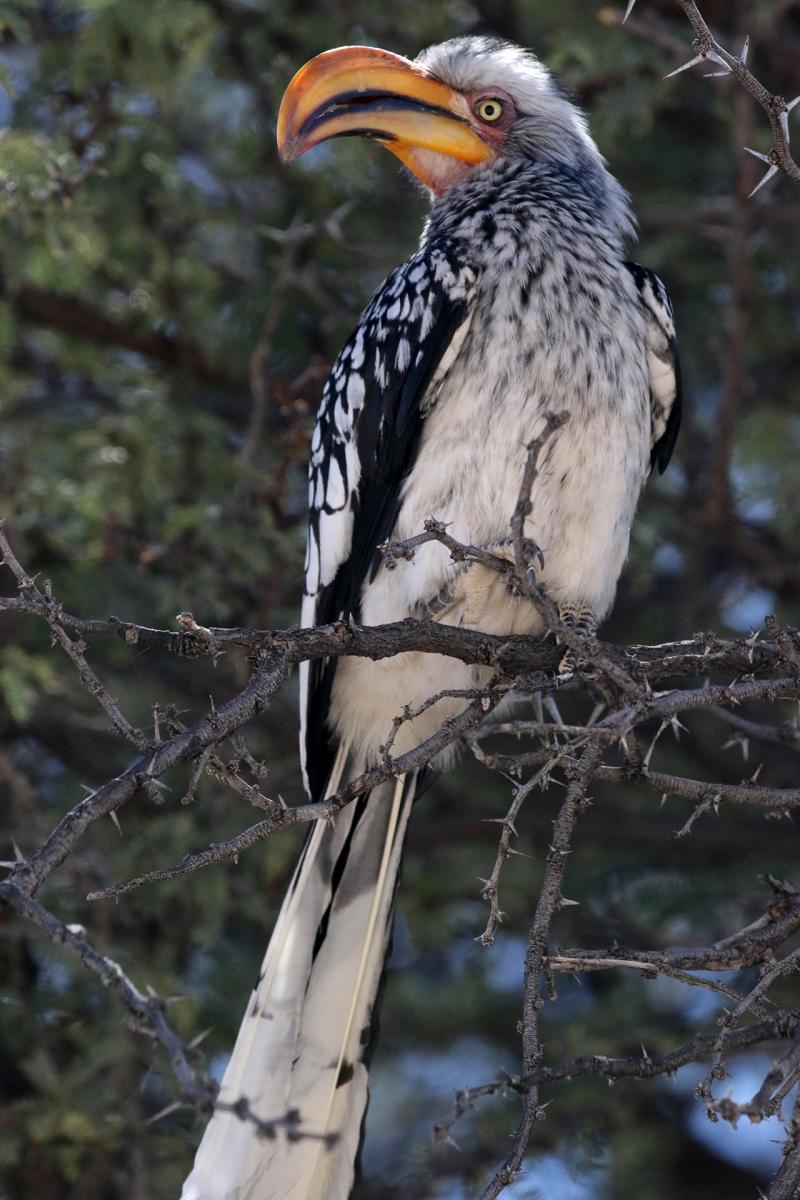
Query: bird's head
(455, 109)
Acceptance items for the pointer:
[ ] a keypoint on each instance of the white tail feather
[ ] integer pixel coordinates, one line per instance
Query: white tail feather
(302, 1042)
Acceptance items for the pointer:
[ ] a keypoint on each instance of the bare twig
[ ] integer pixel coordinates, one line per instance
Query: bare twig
(535, 956)
(491, 885)
(44, 605)
(784, 734)
(786, 1184)
(451, 729)
(777, 109)
(576, 963)
(436, 531)
(292, 242)
(148, 1012)
(27, 877)
(734, 362)
(783, 967)
(779, 1026)
(524, 555)
(762, 668)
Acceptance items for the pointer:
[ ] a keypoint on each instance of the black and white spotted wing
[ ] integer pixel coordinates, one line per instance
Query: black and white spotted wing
(663, 365)
(364, 443)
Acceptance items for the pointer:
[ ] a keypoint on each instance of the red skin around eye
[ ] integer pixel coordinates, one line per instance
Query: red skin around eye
(493, 132)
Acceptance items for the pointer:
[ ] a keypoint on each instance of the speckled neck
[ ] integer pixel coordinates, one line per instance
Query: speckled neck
(520, 197)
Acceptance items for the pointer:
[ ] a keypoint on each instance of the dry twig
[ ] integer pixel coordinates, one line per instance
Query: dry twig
(708, 49)
(604, 747)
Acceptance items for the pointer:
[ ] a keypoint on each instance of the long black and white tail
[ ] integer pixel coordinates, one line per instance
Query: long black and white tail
(303, 1040)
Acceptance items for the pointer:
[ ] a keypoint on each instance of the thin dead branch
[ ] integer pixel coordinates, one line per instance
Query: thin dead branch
(709, 50)
(645, 690)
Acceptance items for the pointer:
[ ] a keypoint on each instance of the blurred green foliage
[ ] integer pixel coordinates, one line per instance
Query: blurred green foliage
(148, 297)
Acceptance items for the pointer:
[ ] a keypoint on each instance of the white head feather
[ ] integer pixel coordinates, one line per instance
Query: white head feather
(549, 126)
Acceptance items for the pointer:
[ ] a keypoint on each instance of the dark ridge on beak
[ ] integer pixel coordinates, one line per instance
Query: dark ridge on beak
(372, 102)
(380, 134)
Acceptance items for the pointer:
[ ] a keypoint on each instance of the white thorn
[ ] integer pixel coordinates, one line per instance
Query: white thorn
(115, 819)
(164, 1112)
(698, 58)
(717, 74)
(677, 726)
(649, 753)
(701, 57)
(201, 1037)
(745, 51)
(793, 104)
(628, 10)
(769, 175)
(757, 154)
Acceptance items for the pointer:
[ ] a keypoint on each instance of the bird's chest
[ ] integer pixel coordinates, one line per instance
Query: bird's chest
(538, 340)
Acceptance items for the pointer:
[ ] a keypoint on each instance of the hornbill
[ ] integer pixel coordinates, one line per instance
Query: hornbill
(519, 302)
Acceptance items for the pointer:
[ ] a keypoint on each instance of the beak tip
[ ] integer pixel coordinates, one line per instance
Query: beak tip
(412, 110)
(289, 147)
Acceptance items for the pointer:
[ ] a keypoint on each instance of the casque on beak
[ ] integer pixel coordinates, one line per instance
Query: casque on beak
(362, 90)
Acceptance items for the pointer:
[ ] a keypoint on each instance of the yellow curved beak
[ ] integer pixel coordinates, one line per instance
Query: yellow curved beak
(362, 90)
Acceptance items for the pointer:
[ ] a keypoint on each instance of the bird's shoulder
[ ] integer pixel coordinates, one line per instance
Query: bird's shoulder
(661, 348)
(372, 400)
(654, 297)
(364, 443)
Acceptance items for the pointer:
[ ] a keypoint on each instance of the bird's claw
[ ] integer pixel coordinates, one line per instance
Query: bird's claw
(583, 622)
(533, 553)
(566, 668)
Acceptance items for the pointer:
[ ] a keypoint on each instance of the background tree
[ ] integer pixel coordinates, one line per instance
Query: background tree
(171, 301)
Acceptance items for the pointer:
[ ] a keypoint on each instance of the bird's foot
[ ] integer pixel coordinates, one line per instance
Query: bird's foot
(480, 581)
(504, 549)
(445, 598)
(474, 584)
(583, 622)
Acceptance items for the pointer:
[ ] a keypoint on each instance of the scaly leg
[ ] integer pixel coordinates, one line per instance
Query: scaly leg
(435, 606)
(473, 585)
(479, 582)
(584, 622)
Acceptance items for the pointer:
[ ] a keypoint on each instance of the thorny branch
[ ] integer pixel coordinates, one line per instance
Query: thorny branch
(778, 110)
(610, 743)
(292, 242)
(550, 900)
(391, 768)
(781, 1026)
(623, 698)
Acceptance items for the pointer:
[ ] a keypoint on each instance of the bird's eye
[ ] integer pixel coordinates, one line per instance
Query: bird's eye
(489, 109)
